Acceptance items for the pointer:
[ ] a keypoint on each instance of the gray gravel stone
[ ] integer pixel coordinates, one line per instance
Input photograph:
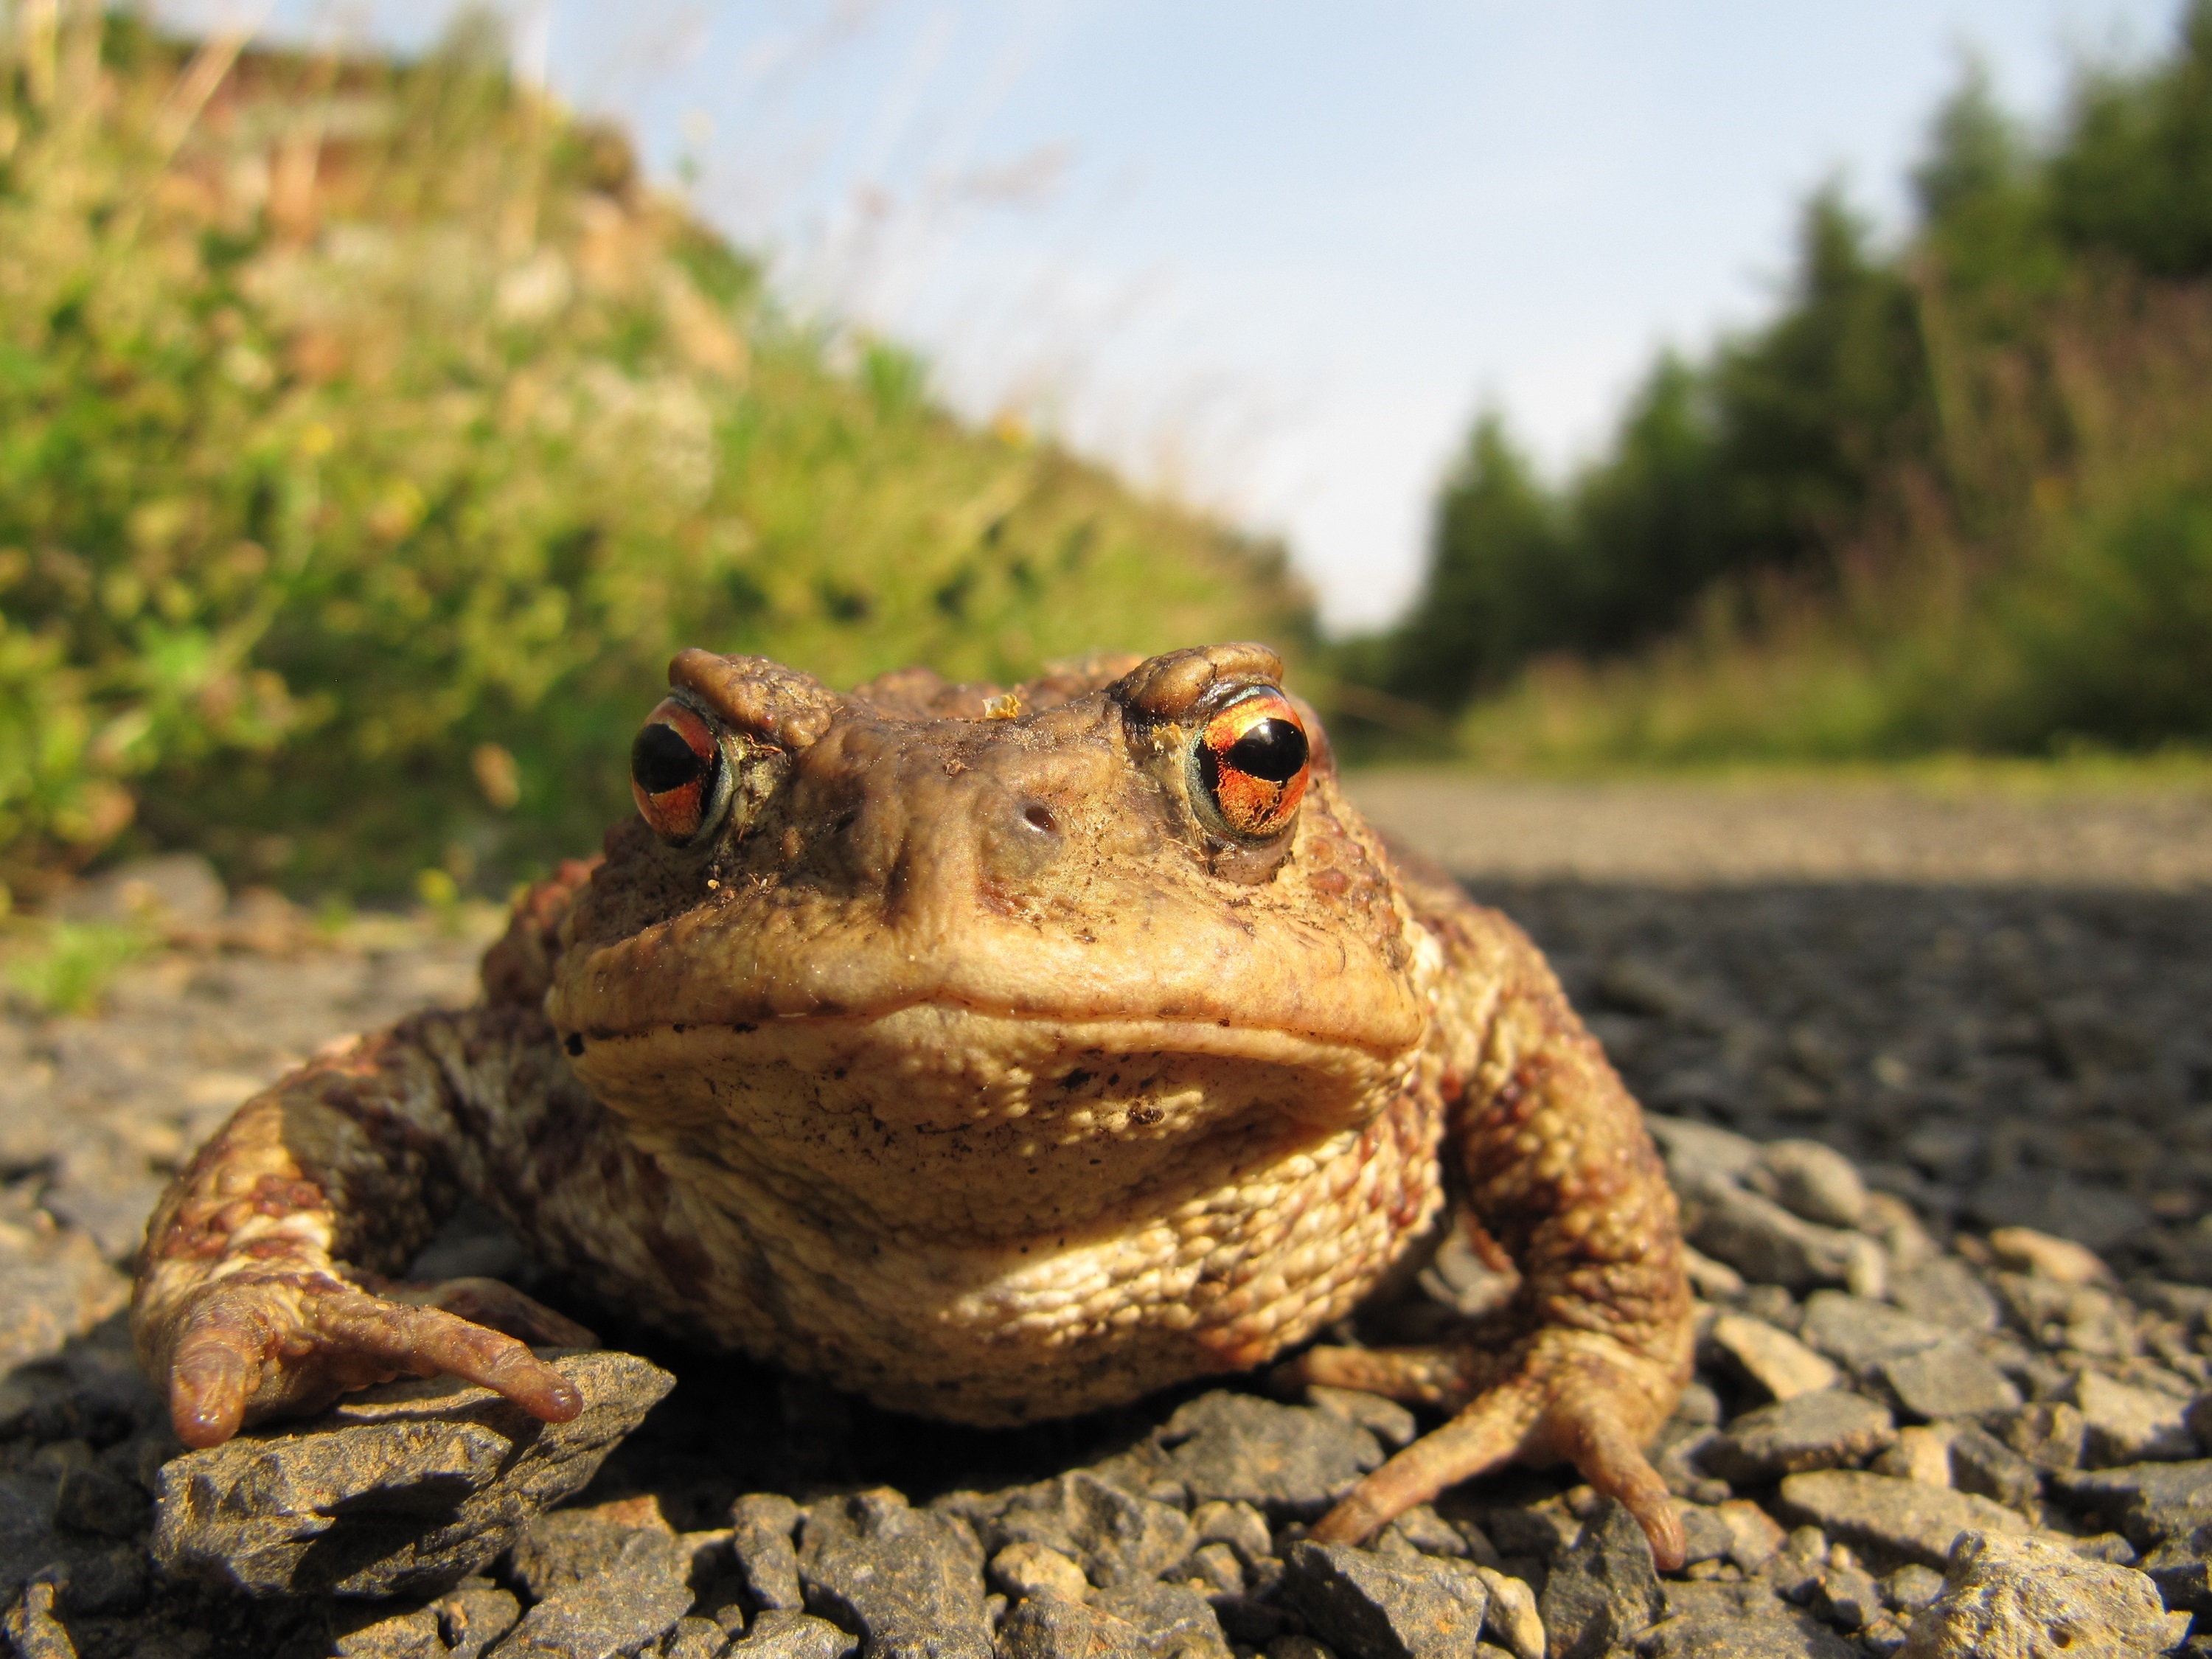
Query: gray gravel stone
(1951, 1379)
(1902, 1518)
(1168, 1619)
(1848, 1598)
(1811, 1181)
(1912, 1587)
(763, 1531)
(1360, 1604)
(2148, 1502)
(908, 1581)
(1603, 1590)
(1511, 1614)
(1982, 1463)
(564, 1548)
(408, 1487)
(1293, 1461)
(1719, 1598)
(413, 1634)
(1783, 1636)
(1260, 1614)
(2126, 1424)
(472, 1615)
(108, 1203)
(1861, 1333)
(1812, 1431)
(1773, 1358)
(1542, 1530)
(617, 1612)
(33, 1629)
(95, 1499)
(2048, 1433)
(1947, 1293)
(91, 1391)
(1694, 1149)
(51, 1289)
(1386, 1420)
(1117, 1537)
(1706, 1534)
(1214, 1568)
(1240, 1526)
(2024, 1598)
(1755, 1535)
(784, 1635)
(695, 1638)
(2110, 1547)
(2080, 1318)
(2181, 1567)
(1024, 1570)
(1055, 1629)
(1761, 1240)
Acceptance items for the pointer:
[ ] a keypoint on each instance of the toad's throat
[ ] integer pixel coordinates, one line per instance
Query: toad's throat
(1035, 1121)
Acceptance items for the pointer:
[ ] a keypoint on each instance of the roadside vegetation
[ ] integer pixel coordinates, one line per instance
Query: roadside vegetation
(371, 435)
(1955, 496)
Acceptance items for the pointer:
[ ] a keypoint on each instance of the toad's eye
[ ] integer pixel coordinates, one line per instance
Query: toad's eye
(1253, 761)
(675, 773)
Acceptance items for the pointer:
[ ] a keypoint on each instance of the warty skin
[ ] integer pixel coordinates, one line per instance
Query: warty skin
(997, 1055)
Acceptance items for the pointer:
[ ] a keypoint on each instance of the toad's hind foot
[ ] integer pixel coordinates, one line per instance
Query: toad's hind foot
(498, 1306)
(289, 1343)
(1563, 1398)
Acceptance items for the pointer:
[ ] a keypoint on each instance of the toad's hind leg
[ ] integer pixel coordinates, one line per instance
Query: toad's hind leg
(1563, 1177)
(1551, 1405)
(266, 1283)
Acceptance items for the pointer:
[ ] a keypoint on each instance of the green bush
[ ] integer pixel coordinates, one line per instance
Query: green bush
(369, 441)
(2114, 632)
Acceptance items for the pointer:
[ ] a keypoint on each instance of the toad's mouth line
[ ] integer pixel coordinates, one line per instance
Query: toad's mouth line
(923, 1024)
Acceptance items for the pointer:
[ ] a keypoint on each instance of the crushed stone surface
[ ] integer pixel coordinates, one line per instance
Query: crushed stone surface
(1943, 1131)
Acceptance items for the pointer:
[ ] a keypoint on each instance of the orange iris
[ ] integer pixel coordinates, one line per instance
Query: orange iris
(1254, 759)
(674, 767)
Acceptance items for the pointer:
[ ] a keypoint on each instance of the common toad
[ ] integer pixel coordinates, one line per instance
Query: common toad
(996, 1055)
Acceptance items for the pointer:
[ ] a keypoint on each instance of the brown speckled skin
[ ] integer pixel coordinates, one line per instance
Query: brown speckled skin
(972, 1066)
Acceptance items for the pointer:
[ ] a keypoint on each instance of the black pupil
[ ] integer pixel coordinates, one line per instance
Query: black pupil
(661, 761)
(1273, 749)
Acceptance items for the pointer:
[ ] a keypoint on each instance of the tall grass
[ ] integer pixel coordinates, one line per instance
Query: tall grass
(370, 435)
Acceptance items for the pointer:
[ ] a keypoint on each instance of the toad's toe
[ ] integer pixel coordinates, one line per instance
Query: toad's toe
(1566, 1397)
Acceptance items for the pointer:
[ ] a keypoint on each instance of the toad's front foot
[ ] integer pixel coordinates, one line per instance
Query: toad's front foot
(1563, 1396)
(255, 1344)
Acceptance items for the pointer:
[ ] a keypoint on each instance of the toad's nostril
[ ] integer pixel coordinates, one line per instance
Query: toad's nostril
(1021, 840)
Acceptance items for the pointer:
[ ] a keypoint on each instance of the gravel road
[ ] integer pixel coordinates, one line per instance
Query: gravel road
(1995, 1002)
(1992, 1005)
(1731, 832)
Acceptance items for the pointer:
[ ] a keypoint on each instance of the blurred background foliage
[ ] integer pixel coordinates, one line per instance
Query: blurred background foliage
(1955, 494)
(370, 436)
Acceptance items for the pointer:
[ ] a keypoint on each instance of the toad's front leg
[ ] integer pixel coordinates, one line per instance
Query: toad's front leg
(261, 1289)
(1563, 1176)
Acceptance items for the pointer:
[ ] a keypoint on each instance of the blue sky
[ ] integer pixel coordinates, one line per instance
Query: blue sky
(1274, 257)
